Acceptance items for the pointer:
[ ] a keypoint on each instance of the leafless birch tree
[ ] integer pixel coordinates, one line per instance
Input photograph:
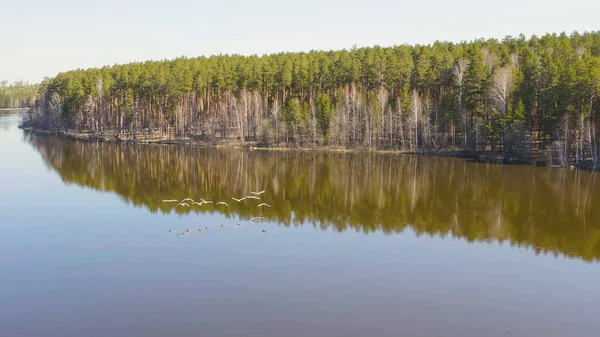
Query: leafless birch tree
(459, 73)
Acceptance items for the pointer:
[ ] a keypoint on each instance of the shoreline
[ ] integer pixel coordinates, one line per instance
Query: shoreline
(479, 156)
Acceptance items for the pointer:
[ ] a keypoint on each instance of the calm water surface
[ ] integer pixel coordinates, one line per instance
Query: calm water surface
(357, 244)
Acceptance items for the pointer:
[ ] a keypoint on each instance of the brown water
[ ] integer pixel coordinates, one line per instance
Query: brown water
(356, 244)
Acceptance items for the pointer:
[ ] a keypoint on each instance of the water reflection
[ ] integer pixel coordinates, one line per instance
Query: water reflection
(546, 209)
(9, 118)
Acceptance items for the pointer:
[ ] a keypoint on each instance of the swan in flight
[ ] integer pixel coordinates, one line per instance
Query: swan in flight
(258, 193)
(202, 202)
(263, 204)
(251, 197)
(238, 200)
(221, 203)
(187, 199)
(170, 200)
(183, 204)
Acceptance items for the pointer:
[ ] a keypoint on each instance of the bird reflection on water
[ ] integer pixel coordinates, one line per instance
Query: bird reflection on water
(547, 209)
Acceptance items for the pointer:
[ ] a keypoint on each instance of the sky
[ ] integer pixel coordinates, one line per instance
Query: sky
(41, 38)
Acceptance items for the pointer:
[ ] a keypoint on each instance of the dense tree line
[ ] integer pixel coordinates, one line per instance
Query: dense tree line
(524, 97)
(17, 95)
(548, 210)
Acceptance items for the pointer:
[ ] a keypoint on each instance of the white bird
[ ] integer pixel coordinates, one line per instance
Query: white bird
(263, 204)
(183, 204)
(251, 197)
(221, 203)
(258, 193)
(187, 199)
(170, 200)
(238, 200)
(202, 202)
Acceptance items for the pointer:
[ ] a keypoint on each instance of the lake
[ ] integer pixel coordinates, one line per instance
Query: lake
(356, 244)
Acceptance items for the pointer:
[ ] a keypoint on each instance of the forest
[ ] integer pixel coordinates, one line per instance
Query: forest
(524, 98)
(17, 95)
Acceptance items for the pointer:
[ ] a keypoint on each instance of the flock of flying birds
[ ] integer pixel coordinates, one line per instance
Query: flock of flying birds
(184, 203)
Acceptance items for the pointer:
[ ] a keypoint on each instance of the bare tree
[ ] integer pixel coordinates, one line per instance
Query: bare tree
(425, 120)
(502, 85)
(99, 87)
(256, 113)
(243, 106)
(368, 117)
(236, 107)
(579, 51)
(382, 99)
(592, 134)
(54, 106)
(563, 140)
(400, 122)
(490, 59)
(514, 57)
(276, 114)
(416, 107)
(88, 108)
(347, 116)
(459, 73)
(353, 105)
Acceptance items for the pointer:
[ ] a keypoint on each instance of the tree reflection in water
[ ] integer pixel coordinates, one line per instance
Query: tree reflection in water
(546, 209)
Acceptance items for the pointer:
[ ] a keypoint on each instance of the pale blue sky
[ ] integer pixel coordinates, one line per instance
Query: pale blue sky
(42, 38)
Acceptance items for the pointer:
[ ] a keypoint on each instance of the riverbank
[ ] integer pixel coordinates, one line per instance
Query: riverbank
(15, 109)
(148, 138)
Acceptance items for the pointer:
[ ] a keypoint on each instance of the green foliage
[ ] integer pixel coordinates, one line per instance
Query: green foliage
(518, 113)
(291, 111)
(554, 77)
(476, 83)
(325, 112)
(17, 95)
